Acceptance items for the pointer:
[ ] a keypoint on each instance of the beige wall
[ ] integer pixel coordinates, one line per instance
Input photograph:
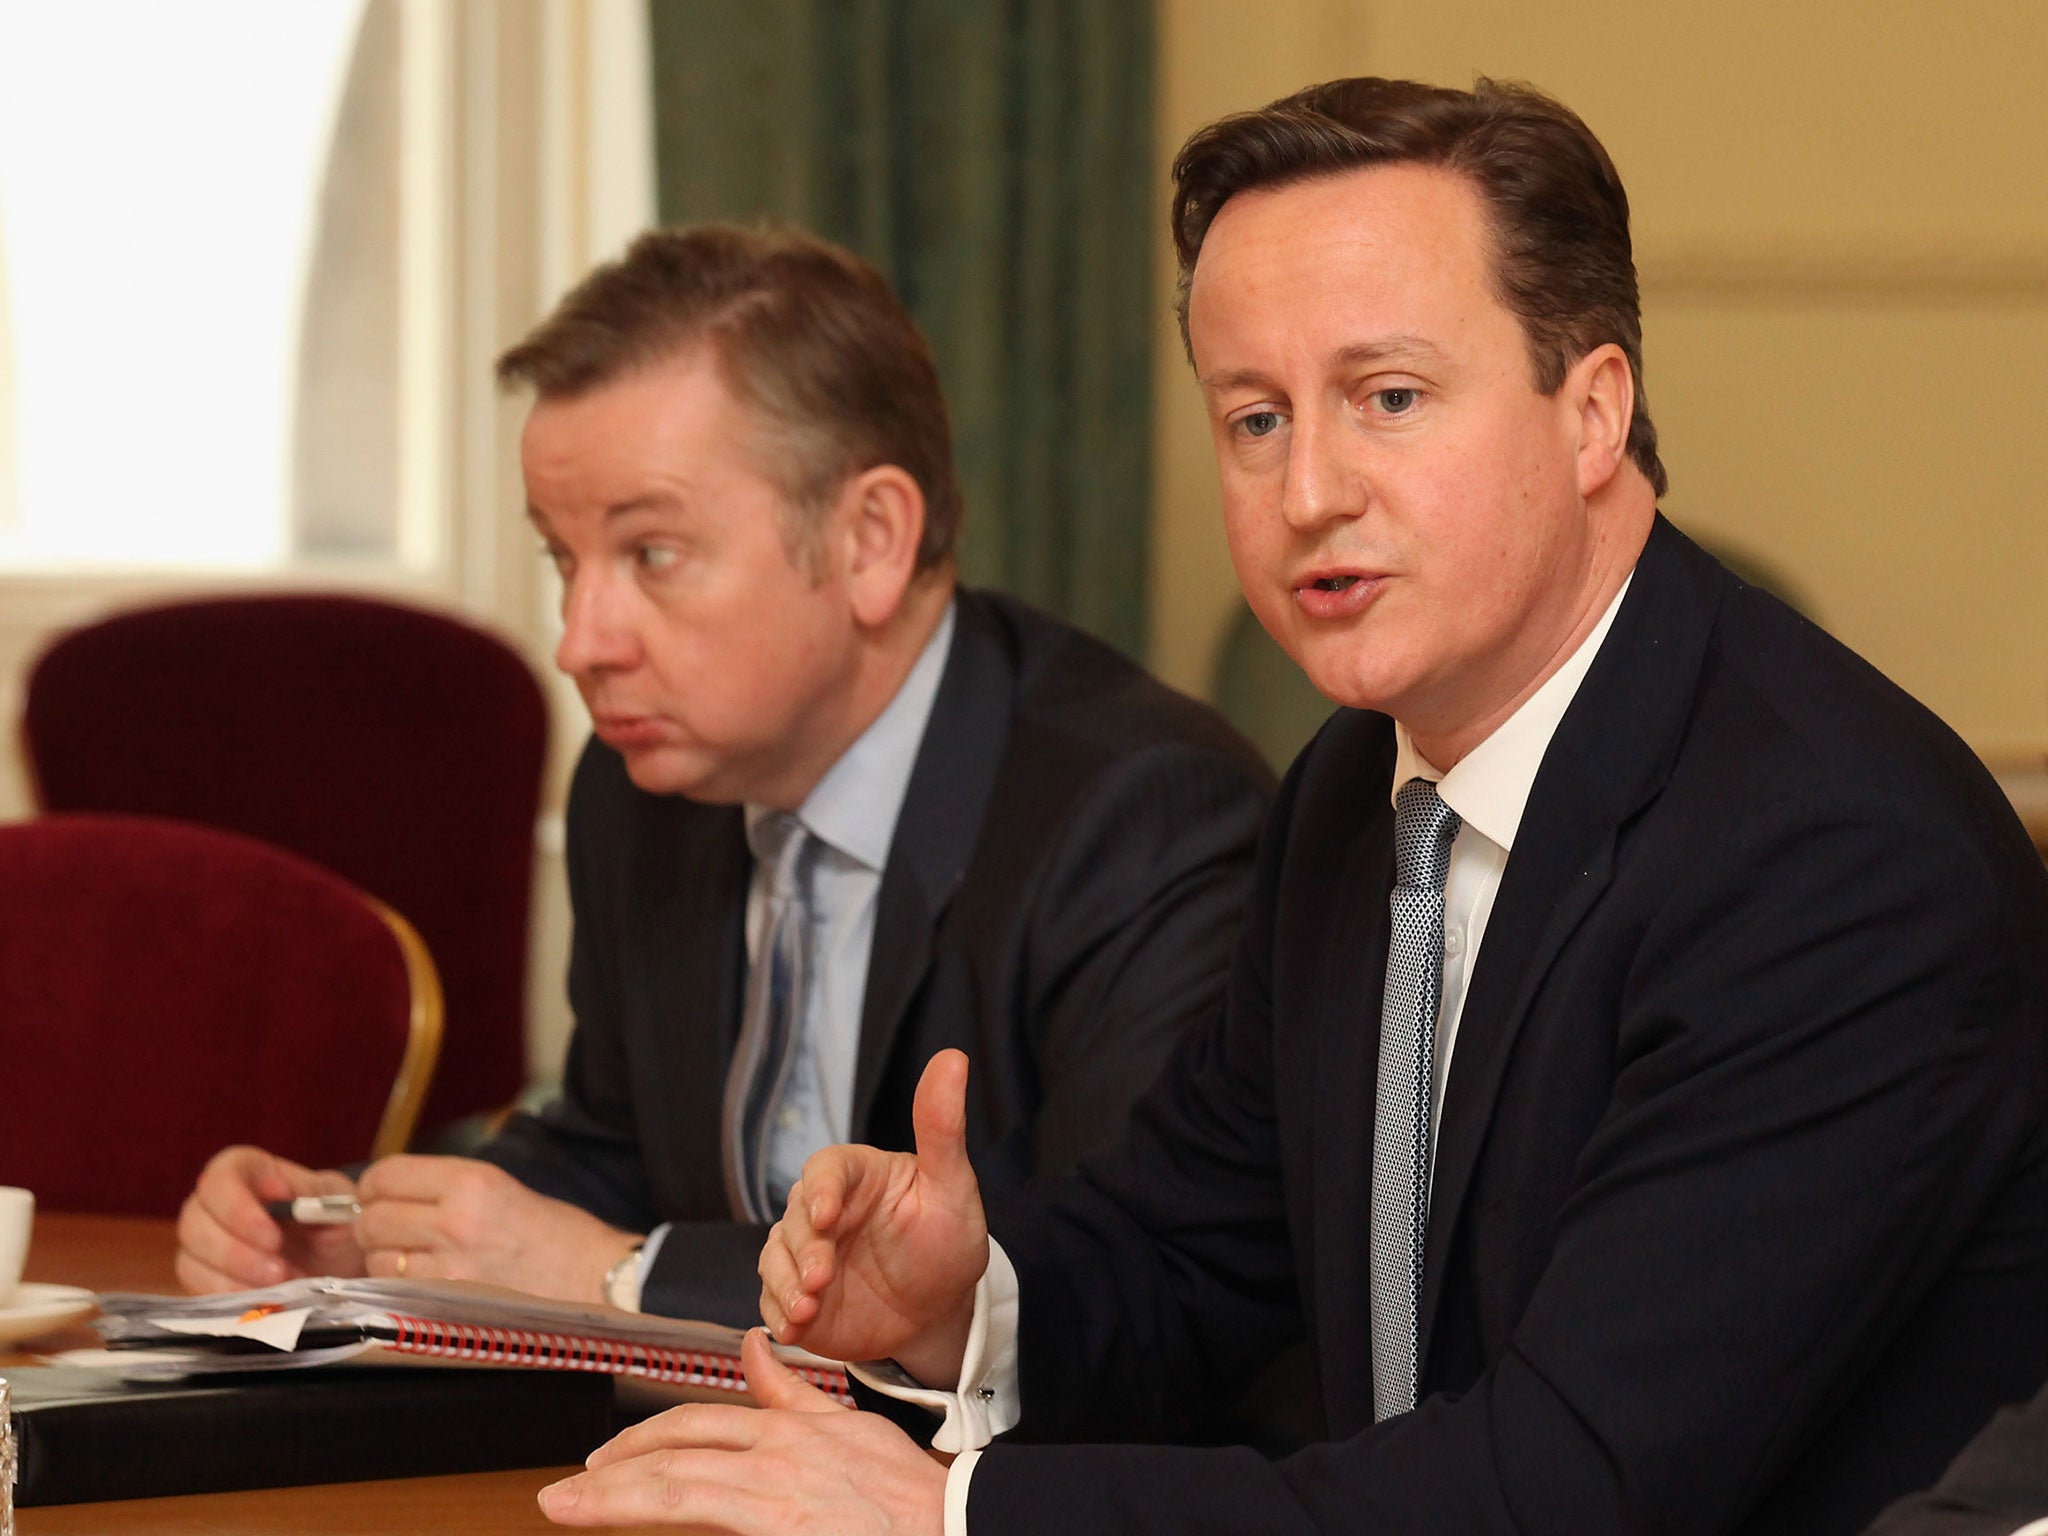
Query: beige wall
(1841, 215)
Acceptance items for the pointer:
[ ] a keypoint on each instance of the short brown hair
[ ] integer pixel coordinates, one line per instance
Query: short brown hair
(804, 332)
(1563, 262)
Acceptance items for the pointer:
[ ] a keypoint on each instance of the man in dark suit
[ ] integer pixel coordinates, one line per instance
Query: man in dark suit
(839, 814)
(1998, 1486)
(1633, 1080)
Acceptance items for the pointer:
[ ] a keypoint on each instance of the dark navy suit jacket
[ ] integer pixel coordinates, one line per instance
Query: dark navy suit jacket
(1740, 1215)
(1060, 901)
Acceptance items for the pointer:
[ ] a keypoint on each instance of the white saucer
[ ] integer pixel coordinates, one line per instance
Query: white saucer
(38, 1309)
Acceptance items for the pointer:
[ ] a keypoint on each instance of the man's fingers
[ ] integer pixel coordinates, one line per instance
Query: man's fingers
(702, 1489)
(774, 1384)
(707, 1426)
(398, 1224)
(817, 1198)
(779, 1283)
(227, 1241)
(233, 1187)
(788, 1318)
(217, 1251)
(412, 1176)
(938, 1115)
(231, 1191)
(799, 1257)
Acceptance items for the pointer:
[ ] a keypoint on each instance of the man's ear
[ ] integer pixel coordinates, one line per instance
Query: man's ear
(877, 523)
(1601, 392)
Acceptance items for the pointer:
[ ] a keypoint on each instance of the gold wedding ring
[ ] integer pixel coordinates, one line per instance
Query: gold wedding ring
(404, 1259)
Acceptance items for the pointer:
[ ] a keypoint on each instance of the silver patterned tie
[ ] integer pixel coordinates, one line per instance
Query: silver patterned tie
(1423, 829)
(771, 1018)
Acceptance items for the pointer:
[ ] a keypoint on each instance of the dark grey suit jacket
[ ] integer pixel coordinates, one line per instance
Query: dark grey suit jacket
(1740, 1218)
(1067, 878)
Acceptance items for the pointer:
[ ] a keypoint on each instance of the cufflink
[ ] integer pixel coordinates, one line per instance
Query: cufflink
(622, 1280)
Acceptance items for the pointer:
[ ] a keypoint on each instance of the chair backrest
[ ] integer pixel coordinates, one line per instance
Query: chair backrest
(400, 748)
(168, 989)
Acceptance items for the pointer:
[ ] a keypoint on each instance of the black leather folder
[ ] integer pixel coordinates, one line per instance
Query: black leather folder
(86, 1435)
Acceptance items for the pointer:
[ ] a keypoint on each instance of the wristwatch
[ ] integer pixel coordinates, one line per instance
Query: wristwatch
(622, 1280)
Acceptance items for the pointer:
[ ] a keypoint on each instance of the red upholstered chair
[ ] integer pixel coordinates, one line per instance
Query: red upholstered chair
(168, 989)
(400, 748)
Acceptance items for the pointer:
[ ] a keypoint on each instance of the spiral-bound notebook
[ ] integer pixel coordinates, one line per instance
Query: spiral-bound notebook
(305, 1323)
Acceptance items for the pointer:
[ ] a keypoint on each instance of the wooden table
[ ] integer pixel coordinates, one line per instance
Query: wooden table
(123, 1253)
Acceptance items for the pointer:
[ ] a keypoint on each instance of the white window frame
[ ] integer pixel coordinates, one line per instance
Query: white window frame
(528, 157)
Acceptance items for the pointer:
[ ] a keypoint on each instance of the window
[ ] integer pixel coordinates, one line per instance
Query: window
(162, 171)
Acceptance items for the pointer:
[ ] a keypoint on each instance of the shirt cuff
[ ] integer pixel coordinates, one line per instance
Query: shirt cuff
(642, 1269)
(956, 1492)
(986, 1402)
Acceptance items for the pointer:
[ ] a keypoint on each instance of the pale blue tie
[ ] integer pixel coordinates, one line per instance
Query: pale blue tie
(1423, 830)
(771, 1018)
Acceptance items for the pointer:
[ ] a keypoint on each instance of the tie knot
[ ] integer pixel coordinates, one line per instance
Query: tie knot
(778, 840)
(1423, 830)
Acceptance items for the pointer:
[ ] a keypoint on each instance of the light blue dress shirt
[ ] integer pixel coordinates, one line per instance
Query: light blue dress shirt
(852, 812)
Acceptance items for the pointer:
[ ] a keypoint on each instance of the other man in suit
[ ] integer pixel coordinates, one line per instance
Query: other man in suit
(1634, 1077)
(839, 814)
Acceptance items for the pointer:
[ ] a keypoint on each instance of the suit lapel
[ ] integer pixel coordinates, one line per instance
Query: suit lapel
(694, 901)
(1343, 964)
(963, 746)
(1609, 757)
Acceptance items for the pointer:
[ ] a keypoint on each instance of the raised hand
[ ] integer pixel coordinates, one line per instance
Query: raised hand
(228, 1242)
(879, 1252)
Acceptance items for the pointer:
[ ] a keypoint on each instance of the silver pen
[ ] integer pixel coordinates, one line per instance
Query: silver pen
(315, 1210)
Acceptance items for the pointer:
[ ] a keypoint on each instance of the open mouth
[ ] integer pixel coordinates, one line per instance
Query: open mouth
(1336, 583)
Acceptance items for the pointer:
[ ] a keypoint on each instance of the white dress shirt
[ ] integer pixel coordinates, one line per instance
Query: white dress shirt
(1489, 789)
(852, 812)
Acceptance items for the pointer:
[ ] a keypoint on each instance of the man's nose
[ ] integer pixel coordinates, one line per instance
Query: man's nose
(1324, 481)
(595, 638)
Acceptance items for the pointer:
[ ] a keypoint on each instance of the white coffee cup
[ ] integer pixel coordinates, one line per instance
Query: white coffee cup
(17, 1214)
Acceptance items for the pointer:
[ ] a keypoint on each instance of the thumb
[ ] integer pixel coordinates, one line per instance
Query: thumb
(774, 1384)
(938, 1117)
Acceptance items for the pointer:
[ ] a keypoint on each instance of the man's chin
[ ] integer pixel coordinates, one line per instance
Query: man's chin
(1339, 679)
(667, 771)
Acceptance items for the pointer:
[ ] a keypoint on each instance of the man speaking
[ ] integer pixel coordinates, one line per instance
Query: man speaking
(1632, 1079)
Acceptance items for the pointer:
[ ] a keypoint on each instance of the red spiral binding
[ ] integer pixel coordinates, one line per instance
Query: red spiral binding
(575, 1352)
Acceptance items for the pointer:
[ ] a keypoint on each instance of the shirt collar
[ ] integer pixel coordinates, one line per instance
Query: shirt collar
(854, 807)
(1489, 788)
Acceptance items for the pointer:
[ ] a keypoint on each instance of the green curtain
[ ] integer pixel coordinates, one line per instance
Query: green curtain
(994, 159)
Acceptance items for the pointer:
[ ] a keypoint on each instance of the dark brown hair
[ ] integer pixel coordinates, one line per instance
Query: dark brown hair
(1563, 264)
(804, 332)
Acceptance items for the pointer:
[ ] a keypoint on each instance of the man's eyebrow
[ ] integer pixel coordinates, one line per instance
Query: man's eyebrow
(653, 501)
(1389, 349)
(1360, 354)
(1233, 379)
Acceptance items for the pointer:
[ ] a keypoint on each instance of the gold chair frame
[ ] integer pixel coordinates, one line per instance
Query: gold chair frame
(423, 1036)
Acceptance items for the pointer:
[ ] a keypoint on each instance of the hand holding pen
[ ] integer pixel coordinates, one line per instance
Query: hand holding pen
(255, 1219)
(314, 1210)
